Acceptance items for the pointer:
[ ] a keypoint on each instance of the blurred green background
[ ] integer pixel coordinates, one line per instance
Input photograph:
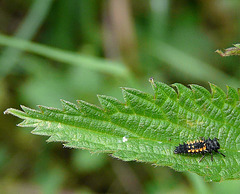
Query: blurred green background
(76, 49)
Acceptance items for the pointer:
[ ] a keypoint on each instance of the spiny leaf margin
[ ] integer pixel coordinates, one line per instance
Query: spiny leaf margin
(147, 128)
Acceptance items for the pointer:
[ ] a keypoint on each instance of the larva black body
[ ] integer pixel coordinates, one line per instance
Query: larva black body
(201, 146)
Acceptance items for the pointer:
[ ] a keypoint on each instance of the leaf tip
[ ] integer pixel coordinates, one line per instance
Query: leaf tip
(125, 90)
(177, 87)
(212, 87)
(41, 108)
(122, 88)
(23, 107)
(101, 97)
(236, 45)
(151, 80)
(8, 111)
(62, 101)
(220, 53)
(15, 112)
(192, 86)
(81, 102)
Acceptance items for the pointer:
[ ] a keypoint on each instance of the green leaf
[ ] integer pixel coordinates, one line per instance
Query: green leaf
(147, 127)
(230, 51)
(92, 63)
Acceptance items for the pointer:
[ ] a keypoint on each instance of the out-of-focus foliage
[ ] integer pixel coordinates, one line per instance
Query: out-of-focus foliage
(170, 40)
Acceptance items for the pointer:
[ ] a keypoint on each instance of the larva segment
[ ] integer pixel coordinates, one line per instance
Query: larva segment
(201, 146)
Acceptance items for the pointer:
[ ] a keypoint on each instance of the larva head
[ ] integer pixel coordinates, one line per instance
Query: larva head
(216, 144)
